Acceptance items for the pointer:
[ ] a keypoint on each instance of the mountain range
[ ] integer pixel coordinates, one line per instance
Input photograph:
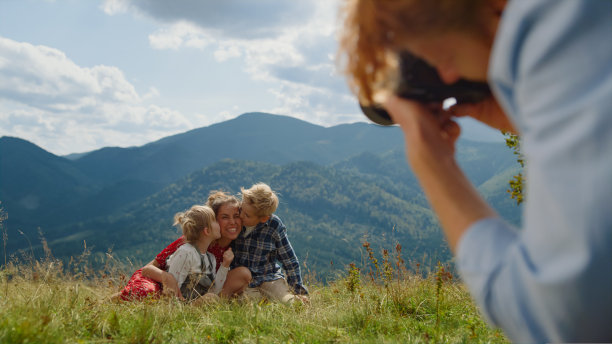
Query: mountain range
(338, 186)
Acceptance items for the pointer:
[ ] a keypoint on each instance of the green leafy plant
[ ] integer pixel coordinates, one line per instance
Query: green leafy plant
(517, 182)
(353, 280)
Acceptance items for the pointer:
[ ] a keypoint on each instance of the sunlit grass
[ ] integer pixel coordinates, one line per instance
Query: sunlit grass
(42, 304)
(48, 301)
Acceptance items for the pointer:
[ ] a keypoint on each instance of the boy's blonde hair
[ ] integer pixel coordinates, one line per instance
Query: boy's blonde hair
(262, 198)
(194, 220)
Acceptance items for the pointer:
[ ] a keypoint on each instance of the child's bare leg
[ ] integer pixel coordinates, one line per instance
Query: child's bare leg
(236, 282)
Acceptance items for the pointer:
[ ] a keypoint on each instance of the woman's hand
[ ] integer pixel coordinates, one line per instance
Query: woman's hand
(429, 132)
(488, 112)
(170, 285)
(430, 135)
(228, 256)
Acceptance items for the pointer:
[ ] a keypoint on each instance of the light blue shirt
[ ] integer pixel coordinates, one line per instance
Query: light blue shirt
(551, 70)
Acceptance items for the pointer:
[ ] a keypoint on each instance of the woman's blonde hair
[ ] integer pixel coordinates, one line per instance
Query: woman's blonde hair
(262, 198)
(374, 31)
(193, 221)
(219, 198)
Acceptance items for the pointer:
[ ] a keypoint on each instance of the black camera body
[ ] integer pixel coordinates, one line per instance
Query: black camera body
(420, 82)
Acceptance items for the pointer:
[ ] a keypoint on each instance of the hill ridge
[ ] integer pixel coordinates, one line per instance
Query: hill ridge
(359, 163)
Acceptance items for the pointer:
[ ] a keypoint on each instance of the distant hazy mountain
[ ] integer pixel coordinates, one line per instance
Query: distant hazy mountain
(33, 181)
(337, 184)
(252, 136)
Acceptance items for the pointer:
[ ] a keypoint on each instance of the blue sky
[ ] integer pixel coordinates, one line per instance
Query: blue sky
(80, 75)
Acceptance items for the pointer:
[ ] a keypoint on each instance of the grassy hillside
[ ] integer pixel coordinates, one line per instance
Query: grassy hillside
(329, 211)
(339, 186)
(44, 301)
(328, 214)
(41, 190)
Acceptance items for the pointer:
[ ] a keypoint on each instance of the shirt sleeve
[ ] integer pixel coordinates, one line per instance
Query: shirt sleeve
(219, 277)
(551, 281)
(219, 281)
(182, 263)
(162, 257)
(289, 260)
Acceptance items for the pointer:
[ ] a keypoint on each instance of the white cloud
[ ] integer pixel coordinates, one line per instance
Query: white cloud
(45, 78)
(229, 18)
(315, 105)
(48, 96)
(112, 7)
(227, 51)
(301, 63)
(178, 35)
(289, 44)
(153, 93)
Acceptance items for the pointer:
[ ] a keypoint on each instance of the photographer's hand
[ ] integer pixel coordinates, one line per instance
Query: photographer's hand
(430, 143)
(488, 112)
(429, 132)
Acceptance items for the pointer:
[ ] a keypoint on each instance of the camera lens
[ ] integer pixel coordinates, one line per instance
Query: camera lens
(377, 114)
(420, 82)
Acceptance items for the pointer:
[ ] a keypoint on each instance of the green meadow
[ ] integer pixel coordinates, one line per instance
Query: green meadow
(381, 301)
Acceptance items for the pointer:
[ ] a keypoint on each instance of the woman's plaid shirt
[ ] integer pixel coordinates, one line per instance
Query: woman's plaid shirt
(260, 251)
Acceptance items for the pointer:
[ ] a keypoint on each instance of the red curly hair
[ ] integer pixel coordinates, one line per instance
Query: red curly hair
(375, 30)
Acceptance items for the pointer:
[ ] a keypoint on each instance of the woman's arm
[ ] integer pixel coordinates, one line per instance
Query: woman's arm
(152, 271)
(430, 146)
(155, 270)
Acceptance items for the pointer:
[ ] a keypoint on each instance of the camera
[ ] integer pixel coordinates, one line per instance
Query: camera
(420, 82)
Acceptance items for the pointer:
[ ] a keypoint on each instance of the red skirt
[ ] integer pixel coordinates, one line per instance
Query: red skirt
(140, 287)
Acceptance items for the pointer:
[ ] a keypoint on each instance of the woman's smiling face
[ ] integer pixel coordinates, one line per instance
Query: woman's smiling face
(228, 218)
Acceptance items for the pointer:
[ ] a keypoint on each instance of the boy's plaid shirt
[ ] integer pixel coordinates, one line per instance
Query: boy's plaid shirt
(260, 251)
